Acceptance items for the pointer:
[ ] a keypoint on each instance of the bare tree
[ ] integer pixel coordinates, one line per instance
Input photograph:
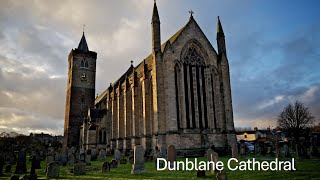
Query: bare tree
(295, 118)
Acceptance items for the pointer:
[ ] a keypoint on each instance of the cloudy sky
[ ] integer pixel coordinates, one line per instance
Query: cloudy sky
(273, 49)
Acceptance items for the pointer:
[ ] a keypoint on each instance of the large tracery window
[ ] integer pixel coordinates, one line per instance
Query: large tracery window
(192, 82)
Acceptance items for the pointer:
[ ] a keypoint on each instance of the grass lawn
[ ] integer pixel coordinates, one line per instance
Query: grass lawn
(306, 169)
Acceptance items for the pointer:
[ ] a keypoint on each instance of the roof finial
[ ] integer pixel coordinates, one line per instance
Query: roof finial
(83, 28)
(131, 63)
(191, 13)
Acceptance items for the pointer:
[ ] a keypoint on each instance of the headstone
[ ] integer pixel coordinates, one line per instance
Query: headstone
(14, 177)
(123, 161)
(117, 155)
(93, 154)
(102, 154)
(138, 166)
(242, 149)
(221, 176)
(108, 150)
(163, 151)
(212, 156)
(105, 167)
(50, 158)
(8, 168)
(234, 149)
(201, 173)
(71, 159)
(35, 162)
(88, 159)
(79, 169)
(113, 163)
(21, 167)
(53, 170)
(82, 157)
(172, 155)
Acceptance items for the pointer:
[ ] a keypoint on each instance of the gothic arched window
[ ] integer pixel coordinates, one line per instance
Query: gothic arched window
(82, 63)
(86, 64)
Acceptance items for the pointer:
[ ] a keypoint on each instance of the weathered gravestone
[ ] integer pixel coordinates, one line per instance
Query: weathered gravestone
(201, 173)
(8, 168)
(212, 157)
(88, 159)
(172, 155)
(21, 167)
(221, 176)
(49, 158)
(79, 168)
(163, 151)
(138, 166)
(102, 154)
(93, 154)
(242, 149)
(235, 152)
(117, 155)
(35, 162)
(53, 170)
(113, 163)
(82, 157)
(105, 167)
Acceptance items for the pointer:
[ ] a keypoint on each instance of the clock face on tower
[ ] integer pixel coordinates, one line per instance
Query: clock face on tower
(84, 77)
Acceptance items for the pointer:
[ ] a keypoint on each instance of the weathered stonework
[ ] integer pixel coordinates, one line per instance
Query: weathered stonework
(180, 94)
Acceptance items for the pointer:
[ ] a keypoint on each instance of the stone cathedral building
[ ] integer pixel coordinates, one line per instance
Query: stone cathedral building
(180, 94)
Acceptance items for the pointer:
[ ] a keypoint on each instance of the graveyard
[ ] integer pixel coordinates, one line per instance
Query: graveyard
(306, 169)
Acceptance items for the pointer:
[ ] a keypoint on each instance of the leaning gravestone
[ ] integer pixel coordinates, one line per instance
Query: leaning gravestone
(102, 154)
(79, 168)
(172, 155)
(212, 156)
(53, 170)
(138, 166)
(21, 167)
(105, 167)
(117, 155)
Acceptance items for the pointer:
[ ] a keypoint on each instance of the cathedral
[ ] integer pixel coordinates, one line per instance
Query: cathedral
(180, 94)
